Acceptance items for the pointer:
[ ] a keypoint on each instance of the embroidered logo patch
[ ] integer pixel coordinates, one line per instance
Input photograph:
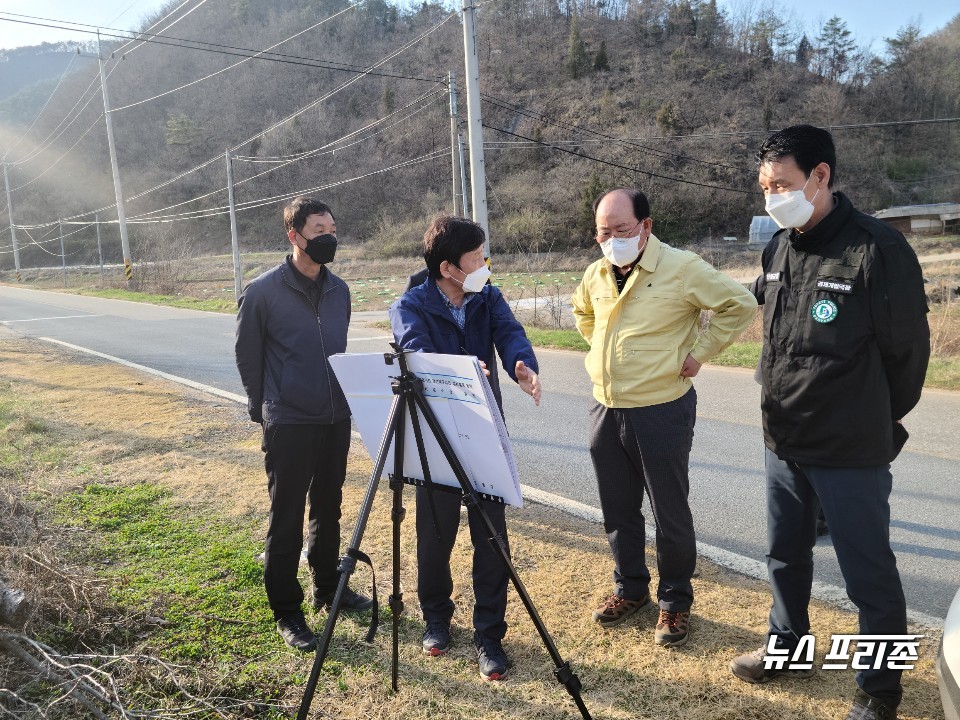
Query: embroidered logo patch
(773, 277)
(824, 311)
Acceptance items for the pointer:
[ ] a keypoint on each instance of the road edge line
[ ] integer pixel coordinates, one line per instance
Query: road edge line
(832, 594)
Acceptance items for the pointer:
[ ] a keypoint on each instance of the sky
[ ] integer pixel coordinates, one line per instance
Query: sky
(869, 20)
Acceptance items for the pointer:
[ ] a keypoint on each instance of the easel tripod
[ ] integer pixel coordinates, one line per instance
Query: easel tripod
(408, 398)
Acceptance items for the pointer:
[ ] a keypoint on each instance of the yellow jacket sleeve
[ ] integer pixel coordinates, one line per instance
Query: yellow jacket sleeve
(732, 304)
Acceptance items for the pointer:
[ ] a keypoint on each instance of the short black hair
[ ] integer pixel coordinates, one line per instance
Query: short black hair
(448, 238)
(300, 208)
(641, 206)
(807, 145)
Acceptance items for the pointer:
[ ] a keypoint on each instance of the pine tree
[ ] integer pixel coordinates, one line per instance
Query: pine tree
(804, 51)
(836, 48)
(600, 62)
(578, 60)
(586, 224)
(387, 101)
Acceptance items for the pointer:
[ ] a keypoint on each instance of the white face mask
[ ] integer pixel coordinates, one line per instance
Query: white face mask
(475, 281)
(791, 209)
(621, 251)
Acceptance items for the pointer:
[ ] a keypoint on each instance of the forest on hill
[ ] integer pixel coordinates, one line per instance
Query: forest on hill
(349, 101)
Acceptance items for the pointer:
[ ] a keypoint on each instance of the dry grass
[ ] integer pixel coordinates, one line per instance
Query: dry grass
(115, 426)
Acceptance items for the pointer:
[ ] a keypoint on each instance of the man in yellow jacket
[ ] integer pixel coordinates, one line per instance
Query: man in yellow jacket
(639, 308)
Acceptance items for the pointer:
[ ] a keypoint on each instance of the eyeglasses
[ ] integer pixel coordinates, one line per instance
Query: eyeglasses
(606, 234)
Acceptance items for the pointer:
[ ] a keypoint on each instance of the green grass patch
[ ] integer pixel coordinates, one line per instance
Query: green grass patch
(943, 373)
(741, 354)
(561, 339)
(200, 575)
(216, 304)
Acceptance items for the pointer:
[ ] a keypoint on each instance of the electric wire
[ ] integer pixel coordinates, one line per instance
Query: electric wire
(247, 205)
(44, 144)
(239, 62)
(579, 128)
(261, 202)
(57, 161)
(739, 133)
(215, 48)
(50, 139)
(324, 149)
(54, 92)
(279, 123)
(622, 167)
(20, 246)
(163, 19)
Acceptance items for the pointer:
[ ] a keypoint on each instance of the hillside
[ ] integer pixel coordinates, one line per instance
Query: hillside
(672, 96)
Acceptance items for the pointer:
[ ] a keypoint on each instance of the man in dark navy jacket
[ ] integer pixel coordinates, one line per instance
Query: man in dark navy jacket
(455, 312)
(291, 319)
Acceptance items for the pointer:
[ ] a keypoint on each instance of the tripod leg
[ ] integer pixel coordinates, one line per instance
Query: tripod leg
(348, 562)
(397, 514)
(564, 674)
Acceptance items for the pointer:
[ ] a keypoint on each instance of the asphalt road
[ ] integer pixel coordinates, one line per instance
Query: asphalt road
(727, 493)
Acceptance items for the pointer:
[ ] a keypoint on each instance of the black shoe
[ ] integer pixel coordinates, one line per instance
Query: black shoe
(351, 600)
(436, 638)
(295, 632)
(490, 657)
(867, 707)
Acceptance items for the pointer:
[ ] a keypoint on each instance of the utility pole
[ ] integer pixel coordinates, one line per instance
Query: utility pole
(63, 253)
(96, 219)
(121, 214)
(452, 84)
(237, 276)
(478, 178)
(13, 230)
(463, 172)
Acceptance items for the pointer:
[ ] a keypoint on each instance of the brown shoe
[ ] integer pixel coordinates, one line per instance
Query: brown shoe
(750, 668)
(672, 628)
(616, 609)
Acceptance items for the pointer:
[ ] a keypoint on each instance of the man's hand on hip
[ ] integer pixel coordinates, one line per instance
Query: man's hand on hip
(690, 367)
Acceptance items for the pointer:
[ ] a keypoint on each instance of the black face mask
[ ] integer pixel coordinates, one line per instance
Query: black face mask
(322, 248)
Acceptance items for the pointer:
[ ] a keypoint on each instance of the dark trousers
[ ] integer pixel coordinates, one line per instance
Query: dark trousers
(647, 449)
(303, 461)
(855, 502)
(490, 576)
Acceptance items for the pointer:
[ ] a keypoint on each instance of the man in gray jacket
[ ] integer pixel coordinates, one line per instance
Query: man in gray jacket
(291, 319)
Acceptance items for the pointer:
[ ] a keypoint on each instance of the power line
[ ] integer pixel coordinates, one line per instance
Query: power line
(57, 161)
(220, 49)
(572, 126)
(43, 145)
(50, 139)
(252, 204)
(310, 153)
(622, 167)
(275, 125)
(54, 92)
(239, 62)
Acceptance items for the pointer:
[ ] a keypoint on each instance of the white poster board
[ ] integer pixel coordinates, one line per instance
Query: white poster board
(456, 389)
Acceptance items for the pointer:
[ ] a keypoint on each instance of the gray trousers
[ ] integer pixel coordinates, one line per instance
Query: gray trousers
(647, 450)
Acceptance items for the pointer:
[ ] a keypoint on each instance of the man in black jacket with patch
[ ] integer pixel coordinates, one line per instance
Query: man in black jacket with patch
(291, 319)
(845, 352)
